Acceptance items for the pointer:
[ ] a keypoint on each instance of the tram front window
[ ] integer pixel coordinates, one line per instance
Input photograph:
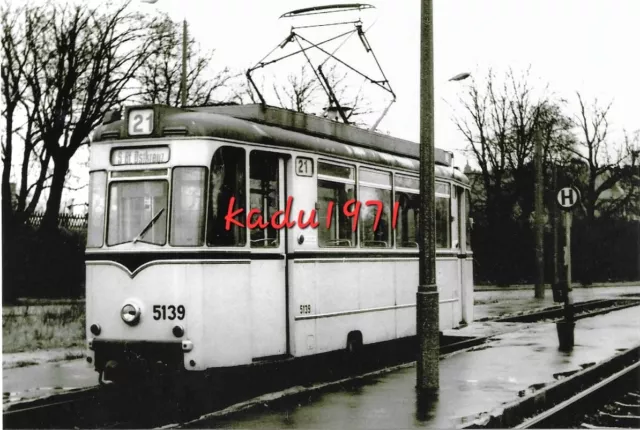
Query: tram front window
(187, 216)
(137, 212)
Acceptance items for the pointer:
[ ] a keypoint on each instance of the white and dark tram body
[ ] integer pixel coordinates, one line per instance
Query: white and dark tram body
(171, 279)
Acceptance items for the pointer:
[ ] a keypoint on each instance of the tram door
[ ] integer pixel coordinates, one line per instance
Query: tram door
(268, 259)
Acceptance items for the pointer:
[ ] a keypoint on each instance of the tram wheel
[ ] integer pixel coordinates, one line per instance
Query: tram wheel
(354, 350)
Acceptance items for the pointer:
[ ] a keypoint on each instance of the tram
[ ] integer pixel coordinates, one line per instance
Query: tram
(229, 235)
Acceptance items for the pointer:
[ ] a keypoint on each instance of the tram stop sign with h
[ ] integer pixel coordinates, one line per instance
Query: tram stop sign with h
(567, 197)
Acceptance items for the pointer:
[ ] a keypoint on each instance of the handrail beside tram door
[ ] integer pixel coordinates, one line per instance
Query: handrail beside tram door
(284, 165)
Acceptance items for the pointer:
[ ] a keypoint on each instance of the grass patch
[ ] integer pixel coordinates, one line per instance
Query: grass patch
(73, 355)
(32, 327)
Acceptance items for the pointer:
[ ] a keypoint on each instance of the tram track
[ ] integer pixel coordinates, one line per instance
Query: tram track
(614, 402)
(107, 407)
(581, 310)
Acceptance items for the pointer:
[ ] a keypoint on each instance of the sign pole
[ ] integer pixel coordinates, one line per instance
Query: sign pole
(539, 217)
(567, 199)
(567, 301)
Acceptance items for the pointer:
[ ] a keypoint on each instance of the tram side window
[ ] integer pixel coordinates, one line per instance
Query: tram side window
(98, 187)
(227, 181)
(187, 216)
(443, 215)
(336, 186)
(375, 186)
(264, 198)
(408, 197)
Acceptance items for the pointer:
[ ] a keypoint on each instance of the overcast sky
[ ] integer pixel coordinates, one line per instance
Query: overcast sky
(584, 45)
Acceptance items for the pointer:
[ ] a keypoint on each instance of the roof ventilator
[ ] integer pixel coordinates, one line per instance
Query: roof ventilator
(174, 131)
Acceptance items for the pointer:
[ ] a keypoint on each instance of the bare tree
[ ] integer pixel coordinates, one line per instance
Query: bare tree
(358, 103)
(160, 75)
(86, 58)
(300, 92)
(244, 93)
(499, 123)
(303, 92)
(603, 167)
(18, 45)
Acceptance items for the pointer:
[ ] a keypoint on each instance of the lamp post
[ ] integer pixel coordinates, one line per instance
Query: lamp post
(427, 315)
(183, 76)
(427, 303)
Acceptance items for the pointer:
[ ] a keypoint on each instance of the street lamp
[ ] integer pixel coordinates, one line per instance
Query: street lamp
(183, 77)
(460, 77)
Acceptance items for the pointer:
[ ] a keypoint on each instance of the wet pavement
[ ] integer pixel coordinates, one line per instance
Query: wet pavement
(47, 378)
(472, 382)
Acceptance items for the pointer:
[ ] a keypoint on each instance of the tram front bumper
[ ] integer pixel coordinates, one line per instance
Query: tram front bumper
(118, 359)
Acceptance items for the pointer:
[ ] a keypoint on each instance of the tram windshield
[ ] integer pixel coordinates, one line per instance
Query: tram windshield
(137, 212)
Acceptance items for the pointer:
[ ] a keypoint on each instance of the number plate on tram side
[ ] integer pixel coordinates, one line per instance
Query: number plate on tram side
(304, 166)
(171, 312)
(305, 309)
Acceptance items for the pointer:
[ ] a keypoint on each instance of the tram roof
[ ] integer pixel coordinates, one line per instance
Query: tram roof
(322, 127)
(269, 125)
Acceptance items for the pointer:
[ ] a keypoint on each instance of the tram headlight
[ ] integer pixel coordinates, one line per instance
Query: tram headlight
(130, 314)
(178, 331)
(95, 329)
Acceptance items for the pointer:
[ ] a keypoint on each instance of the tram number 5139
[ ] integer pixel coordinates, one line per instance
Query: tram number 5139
(171, 312)
(305, 309)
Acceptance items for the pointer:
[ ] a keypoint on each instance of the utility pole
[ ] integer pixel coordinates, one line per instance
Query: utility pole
(183, 78)
(555, 283)
(427, 306)
(539, 215)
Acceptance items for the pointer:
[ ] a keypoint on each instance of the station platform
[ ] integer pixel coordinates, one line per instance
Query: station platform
(472, 382)
(519, 356)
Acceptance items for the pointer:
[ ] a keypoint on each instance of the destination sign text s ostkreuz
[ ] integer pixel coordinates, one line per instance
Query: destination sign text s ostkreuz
(121, 157)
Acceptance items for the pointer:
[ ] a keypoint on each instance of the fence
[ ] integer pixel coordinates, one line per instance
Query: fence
(65, 220)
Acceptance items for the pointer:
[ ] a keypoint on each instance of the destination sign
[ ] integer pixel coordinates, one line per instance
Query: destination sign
(120, 157)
